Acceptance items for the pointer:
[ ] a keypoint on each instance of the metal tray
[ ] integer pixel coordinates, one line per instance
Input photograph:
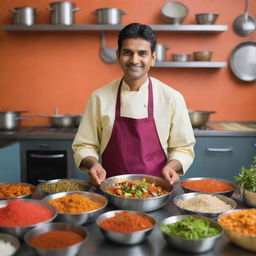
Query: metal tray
(243, 61)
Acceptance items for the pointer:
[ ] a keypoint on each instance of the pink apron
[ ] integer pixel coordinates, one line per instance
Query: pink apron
(134, 146)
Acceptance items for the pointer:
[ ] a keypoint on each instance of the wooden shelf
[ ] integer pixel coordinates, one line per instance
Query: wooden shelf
(190, 64)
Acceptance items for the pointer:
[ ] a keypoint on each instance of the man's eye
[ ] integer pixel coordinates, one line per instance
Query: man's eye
(127, 53)
(143, 53)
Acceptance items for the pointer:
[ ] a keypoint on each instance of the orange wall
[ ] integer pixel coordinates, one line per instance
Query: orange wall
(41, 70)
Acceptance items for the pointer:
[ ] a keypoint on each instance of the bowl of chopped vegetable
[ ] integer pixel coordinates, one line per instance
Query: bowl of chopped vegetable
(240, 227)
(191, 233)
(204, 204)
(137, 192)
(208, 185)
(9, 244)
(78, 208)
(62, 185)
(125, 227)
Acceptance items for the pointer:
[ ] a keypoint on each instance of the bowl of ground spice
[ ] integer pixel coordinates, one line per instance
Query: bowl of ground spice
(208, 185)
(16, 190)
(240, 227)
(137, 192)
(78, 208)
(56, 239)
(125, 227)
(204, 204)
(194, 234)
(62, 185)
(17, 216)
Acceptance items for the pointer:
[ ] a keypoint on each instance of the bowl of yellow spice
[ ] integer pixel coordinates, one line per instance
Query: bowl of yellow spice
(78, 207)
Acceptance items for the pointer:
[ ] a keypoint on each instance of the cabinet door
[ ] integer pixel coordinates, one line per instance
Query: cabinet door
(10, 163)
(221, 157)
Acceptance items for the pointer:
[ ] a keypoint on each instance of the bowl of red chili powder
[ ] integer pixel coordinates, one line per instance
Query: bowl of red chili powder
(125, 227)
(56, 239)
(208, 185)
(17, 216)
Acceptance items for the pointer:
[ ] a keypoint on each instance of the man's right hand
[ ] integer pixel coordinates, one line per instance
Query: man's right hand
(97, 174)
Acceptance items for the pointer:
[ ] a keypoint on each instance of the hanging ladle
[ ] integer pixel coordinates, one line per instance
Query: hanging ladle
(107, 54)
(244, 24)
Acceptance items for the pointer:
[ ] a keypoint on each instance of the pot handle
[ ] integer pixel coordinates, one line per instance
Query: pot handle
(13, 10)
(212, 112)
(43, 115)
(123, 13)
(23, 118)
(76, 9)
(49, 8)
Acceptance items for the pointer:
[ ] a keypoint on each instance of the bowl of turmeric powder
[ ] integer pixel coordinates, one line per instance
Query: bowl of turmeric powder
(78, 208)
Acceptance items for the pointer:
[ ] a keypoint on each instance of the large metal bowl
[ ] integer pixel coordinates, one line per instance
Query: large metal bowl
(19, 231)
(248, 197)
(12, 240)
(199, 118)
(79, 218)
(225, 193)
(127, 238)
(67, 251)
(245, 241)
(20, 197)
(186, 196)
(193, 246)
(137, 204)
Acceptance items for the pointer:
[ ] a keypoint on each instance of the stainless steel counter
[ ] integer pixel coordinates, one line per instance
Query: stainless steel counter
(155, 245)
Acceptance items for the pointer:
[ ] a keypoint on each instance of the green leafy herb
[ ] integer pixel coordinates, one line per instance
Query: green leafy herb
(246, 179)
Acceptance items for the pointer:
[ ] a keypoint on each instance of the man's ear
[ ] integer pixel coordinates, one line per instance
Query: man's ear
(153, 59)
(117, 54)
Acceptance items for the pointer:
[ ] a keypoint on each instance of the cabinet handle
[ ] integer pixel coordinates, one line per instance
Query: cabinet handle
(47, 156)
(254, 144)
(221, 150)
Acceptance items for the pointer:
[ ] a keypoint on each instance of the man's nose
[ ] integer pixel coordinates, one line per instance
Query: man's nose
(134, 58)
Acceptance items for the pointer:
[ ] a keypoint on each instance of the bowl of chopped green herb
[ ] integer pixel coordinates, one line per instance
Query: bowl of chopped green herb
(191, 233)
(246, 181)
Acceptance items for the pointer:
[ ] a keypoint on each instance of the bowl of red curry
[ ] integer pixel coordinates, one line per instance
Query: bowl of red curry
(208, 185)
(137, 192)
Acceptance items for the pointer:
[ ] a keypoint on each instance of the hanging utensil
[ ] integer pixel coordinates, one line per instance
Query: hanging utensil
(244, 24)
(107, 54)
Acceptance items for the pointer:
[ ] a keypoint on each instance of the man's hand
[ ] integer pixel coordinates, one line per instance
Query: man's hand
(169, 172)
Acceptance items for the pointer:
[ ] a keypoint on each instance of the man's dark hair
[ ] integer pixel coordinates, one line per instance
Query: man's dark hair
(137, 30)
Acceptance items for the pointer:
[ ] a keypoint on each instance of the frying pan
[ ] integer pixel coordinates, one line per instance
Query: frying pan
(243, 61)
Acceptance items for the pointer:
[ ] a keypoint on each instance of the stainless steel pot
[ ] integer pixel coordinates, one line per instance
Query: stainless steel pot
(60, 121)
(62, 13)
(109, 15)
(161, 52)
(199, 118)
(24, 15)
(10, 120)
(77, 119)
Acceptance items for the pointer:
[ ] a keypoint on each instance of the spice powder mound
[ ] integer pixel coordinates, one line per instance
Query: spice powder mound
(15, 190)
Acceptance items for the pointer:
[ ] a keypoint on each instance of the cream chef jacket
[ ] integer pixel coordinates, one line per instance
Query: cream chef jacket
(170, 113)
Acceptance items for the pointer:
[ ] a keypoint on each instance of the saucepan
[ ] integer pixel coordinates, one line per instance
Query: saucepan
(199, 118)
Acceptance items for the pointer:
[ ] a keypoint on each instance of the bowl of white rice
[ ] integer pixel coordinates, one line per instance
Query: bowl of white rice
(9, 244)
(204, 204)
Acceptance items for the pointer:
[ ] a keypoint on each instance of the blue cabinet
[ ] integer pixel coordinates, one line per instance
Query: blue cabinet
(221, 157)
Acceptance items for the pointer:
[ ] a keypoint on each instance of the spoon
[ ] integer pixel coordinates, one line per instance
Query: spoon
(107, 54)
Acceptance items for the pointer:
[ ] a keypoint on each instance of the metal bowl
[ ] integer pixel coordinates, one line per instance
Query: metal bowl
(67, 251)
(225, 193)
(137, 204)
(245, 241)
(79, 218)
(193, 246)
(127, 238)
(20, 197)
(174, 12)
(199, 118)
(206, 18)
(180, 57)
(186, 196)
(19, 231)
(202, 55)
(77, 119)
(248, 197)
(45, 193)
(12, 240)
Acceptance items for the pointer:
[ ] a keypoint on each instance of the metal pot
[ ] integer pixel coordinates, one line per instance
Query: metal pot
(199, 118)
(109, 15)
(60, 121)
(161, 52)
(62, 13)
(24, 15)
(77, 119)
(10, 120)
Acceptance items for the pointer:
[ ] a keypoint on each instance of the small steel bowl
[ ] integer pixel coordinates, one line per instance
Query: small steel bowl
(224, 193)
(206, 18)
(186, 196)
(180, 57)
(67, 251)
(193, 246)
(137, 204)
(127, 238)
(79, 218)
(19, 231)
(20, 197)
(245, 241)
(248, 197)
(12, 240)
(174, 12)
(202, 55)
(45, 193)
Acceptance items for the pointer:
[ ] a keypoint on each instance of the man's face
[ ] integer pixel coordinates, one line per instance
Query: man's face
(135, 58)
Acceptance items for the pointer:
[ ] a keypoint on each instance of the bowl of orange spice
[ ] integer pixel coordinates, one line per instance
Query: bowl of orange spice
(240, 227)
(125, 227)
(208, 185)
